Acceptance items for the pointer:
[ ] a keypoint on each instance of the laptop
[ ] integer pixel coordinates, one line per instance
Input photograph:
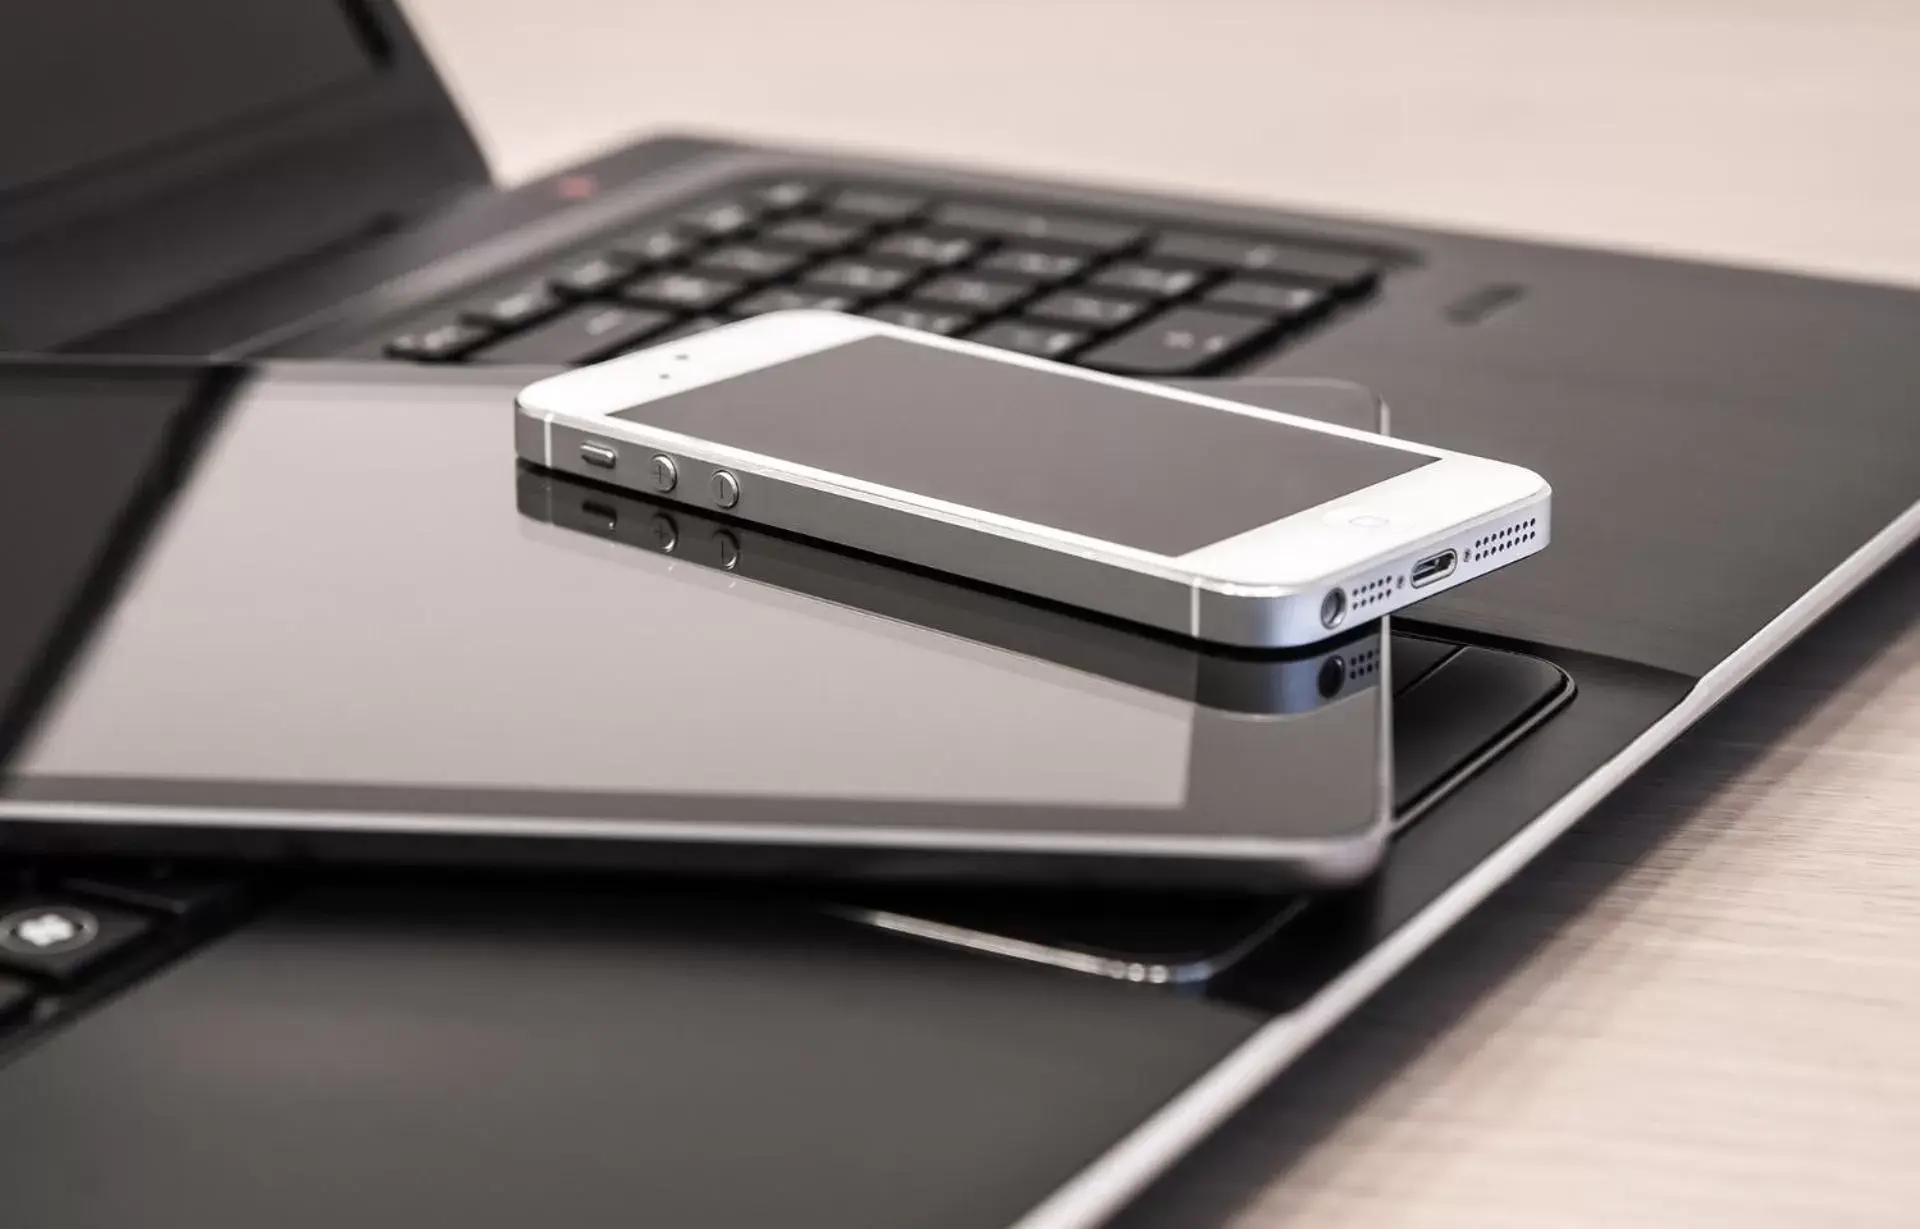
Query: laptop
(285, 186)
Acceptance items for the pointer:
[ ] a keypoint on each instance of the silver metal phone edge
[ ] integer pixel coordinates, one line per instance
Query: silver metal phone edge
(1000, 551)
(1101, 1189)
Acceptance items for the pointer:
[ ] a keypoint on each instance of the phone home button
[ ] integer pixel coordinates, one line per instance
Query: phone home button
(1359, 519)
(725, 488)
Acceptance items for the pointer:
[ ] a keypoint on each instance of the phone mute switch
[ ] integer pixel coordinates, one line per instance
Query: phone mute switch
(600, 455)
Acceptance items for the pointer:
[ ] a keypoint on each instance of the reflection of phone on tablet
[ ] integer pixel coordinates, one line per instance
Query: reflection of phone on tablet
(1228, 681)
(1158, 937)
(1186, 512)
(1124, 934)
(1289, 747)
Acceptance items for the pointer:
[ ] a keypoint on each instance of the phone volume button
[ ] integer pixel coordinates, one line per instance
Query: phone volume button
(663, 473)
(725, 488)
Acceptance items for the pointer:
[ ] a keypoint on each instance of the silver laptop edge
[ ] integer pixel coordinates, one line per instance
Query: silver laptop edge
(1100, 1190)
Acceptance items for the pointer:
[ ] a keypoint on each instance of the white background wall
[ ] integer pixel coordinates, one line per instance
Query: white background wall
(1760, 131)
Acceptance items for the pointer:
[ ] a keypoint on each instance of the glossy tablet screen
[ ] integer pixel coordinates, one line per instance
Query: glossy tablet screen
(331, 593)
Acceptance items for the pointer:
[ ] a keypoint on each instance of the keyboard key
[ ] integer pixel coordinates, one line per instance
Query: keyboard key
(161, 887)
(686, 328)
(587, 333)
(1053, 229)
(1159, 281)
(1349, 271)
(800, 243)
(695, 292)
(721, 218)
(744, 261)
(1088, 310)
(442, 343)
(527, 305)
(927, 320)
(1036, 339)
(60, 939)
(1183, 341)
(876, 206)
(980, 294)
(1287, 300)
(858, 277)
(656, 243)
(921, 248)
(782, 300)
(787, 194)
(15, 997)
(593, 275)
(1035, 264)
(816, 234)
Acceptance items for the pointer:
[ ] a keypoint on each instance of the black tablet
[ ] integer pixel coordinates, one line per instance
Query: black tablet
(326, 604)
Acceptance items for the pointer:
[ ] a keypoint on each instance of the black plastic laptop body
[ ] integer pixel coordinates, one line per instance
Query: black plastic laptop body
(1732, 454)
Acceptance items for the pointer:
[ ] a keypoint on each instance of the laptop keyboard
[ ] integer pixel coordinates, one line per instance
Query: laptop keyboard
(71, 933)
(1109, 292)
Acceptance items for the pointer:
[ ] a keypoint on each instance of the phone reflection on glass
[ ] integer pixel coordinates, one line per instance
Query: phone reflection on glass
(1321, 712)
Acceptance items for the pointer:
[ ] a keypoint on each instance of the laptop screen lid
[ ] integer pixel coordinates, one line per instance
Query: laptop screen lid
(178, 145)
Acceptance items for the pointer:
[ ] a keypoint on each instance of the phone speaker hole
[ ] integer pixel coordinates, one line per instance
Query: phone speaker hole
(1373, 592)
(1501, 541)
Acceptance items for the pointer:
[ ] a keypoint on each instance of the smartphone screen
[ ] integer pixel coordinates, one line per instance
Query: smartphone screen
(1112, 463)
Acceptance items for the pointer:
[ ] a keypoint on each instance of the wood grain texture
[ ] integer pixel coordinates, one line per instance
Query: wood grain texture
(1697, 1009)
(1702, 1007)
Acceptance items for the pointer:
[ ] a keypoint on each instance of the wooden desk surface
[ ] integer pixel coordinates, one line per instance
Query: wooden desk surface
(1703, 1007)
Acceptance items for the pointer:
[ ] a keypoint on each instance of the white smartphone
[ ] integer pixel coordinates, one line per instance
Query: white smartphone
(1186, 512)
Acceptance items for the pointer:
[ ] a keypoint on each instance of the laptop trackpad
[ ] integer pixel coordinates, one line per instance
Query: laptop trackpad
(1456, 709)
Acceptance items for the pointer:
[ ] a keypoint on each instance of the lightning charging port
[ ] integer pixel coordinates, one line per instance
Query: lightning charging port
(1434, 567)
